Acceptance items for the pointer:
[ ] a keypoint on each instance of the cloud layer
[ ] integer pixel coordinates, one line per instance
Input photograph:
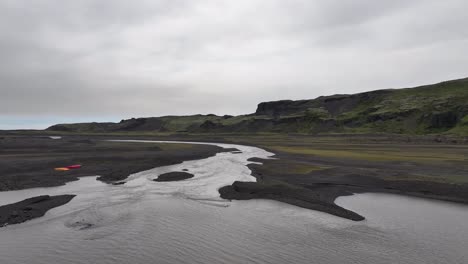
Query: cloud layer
(96, 59)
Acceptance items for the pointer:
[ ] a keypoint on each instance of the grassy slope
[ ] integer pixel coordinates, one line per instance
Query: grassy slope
(437, 108)
(417, 103)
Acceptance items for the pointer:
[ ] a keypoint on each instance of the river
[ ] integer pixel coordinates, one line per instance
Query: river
(144, 221)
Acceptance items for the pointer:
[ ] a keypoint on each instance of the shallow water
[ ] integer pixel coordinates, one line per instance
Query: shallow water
(186, 222)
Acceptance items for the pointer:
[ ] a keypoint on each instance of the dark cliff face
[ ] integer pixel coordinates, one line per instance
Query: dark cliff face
(274, 108)
(422, 110)
(140, 124)
(334, 105)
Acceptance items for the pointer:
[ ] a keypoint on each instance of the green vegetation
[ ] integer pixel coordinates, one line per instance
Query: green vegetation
(448, 179)
(433, 109)
(294, 167)
(423, 161)
(373, 155)
(436, 164)
(462, 128)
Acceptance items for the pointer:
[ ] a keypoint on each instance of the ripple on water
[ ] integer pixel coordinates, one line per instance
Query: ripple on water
(186, 222)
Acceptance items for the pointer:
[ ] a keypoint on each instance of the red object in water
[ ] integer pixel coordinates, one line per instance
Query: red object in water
(73, 167)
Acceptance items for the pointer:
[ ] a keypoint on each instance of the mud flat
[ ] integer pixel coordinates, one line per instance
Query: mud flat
(30, 208)
(173, 176)
(29, 162)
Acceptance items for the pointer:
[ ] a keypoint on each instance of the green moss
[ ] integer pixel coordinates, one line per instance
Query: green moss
(453, 179)
(317, 114)
(372, 155)
(291, 167)
(182, 123)
(421, 110)
(464, 121)
(173, 146)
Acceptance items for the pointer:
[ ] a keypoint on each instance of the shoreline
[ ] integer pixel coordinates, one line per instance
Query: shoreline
(29, 162)
(31, 208)
(316, 190)
(293, 196)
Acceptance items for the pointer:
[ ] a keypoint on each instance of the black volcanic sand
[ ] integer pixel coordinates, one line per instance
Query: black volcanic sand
(288, 194)
(432, 167)
(30, 208)
(232, 150)
(310, 180)
(173, 176)
(28, 162)
(314, 180)
(345, 176)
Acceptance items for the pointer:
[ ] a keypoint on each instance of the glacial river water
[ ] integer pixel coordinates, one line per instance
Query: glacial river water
(186, 222)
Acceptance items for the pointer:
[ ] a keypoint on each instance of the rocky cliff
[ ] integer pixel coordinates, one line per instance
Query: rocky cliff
(437, 108)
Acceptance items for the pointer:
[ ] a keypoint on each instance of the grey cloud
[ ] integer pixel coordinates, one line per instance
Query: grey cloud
(144, 58)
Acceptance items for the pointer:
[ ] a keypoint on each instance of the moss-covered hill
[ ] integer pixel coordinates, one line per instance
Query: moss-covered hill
(437, 108)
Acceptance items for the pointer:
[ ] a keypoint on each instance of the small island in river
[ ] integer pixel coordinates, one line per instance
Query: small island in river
(174, 176)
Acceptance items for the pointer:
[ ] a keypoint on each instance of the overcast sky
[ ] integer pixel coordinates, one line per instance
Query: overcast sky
(73, 61)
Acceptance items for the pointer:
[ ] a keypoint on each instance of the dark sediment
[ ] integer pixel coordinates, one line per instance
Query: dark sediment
(339, 177)
(332, 177)
(232, 150)
(345, 175)
(30, 208)
(292, 195)
(28, 161)
(174, 176)
(276, 179)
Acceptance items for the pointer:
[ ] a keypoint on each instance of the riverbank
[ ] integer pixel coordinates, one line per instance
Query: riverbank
(173, 176)
(329, 166)
(323, 168)
(287, 194)
(31, 208)
(29, 161)
(312, 171)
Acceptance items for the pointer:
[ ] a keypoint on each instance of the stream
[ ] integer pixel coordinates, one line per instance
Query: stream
(186, 221)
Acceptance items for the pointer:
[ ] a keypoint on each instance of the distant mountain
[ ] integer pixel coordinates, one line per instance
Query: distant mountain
(436, 108)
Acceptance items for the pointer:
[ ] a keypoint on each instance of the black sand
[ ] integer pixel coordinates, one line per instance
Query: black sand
(286, 179)
(292, 195)
(28, 162)
(174, 176)
(318, 189)
(396, 164)
(30, 208)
